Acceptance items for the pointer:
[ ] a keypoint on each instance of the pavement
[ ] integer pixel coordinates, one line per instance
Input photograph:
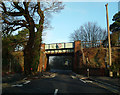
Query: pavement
(112, 84)
(109, 80)
(17, 79)
(9, 78)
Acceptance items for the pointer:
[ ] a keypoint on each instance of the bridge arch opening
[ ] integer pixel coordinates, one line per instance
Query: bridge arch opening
(61, 62)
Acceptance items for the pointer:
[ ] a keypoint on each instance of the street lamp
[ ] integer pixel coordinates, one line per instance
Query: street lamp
(108, 30)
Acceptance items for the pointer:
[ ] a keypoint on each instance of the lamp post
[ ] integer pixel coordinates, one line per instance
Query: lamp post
(108, 30)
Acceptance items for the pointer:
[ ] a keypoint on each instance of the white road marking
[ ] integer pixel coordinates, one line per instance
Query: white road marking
(53, 75)
(73, 77)
(56, 90)
(82, 81)
(20, 85)
(24, 78)
(84, 78)
(26, 82)
(85, 81)
(88, 81)
(17, 85)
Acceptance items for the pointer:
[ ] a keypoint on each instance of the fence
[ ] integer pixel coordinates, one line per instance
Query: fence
(89, 44)
(97, 43)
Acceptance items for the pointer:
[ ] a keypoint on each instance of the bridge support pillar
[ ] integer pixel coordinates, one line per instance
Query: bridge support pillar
(76, 55)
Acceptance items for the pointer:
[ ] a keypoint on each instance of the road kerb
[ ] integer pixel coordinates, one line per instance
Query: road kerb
(106, 87)
(103, 85)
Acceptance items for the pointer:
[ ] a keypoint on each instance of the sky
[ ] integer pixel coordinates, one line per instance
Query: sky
(76, 14)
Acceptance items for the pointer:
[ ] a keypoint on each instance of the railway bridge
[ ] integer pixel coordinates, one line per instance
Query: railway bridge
(59, 49)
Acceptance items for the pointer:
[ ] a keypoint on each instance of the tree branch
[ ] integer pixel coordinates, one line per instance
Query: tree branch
(41, 14)
(14, 13)
(18, 22)
(11, 13)
(18, 7)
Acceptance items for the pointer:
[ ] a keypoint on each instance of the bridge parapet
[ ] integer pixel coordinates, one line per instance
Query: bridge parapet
(69, 45)
(58, 48)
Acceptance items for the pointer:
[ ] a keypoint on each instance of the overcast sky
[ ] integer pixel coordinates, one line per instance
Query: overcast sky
(76, 14)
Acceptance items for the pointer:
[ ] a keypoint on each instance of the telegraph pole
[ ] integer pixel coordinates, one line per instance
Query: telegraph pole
(110, 62)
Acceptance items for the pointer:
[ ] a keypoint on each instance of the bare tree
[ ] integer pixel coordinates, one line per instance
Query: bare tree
(89, 32)
(33, 16)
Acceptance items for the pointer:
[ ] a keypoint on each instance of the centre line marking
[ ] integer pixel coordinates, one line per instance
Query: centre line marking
(56, 90)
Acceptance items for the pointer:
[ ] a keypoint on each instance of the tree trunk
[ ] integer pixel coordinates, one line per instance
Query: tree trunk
(29, 51)
(32, 50)
(38, 40)
(27, 61)
(37, 47)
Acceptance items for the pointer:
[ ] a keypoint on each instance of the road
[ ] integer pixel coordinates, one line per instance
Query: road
(62, 83)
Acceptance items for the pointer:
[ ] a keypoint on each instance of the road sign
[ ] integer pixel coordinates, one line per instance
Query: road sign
(60, 45)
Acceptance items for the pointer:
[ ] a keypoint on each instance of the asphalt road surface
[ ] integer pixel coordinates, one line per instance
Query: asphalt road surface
(62, 83)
